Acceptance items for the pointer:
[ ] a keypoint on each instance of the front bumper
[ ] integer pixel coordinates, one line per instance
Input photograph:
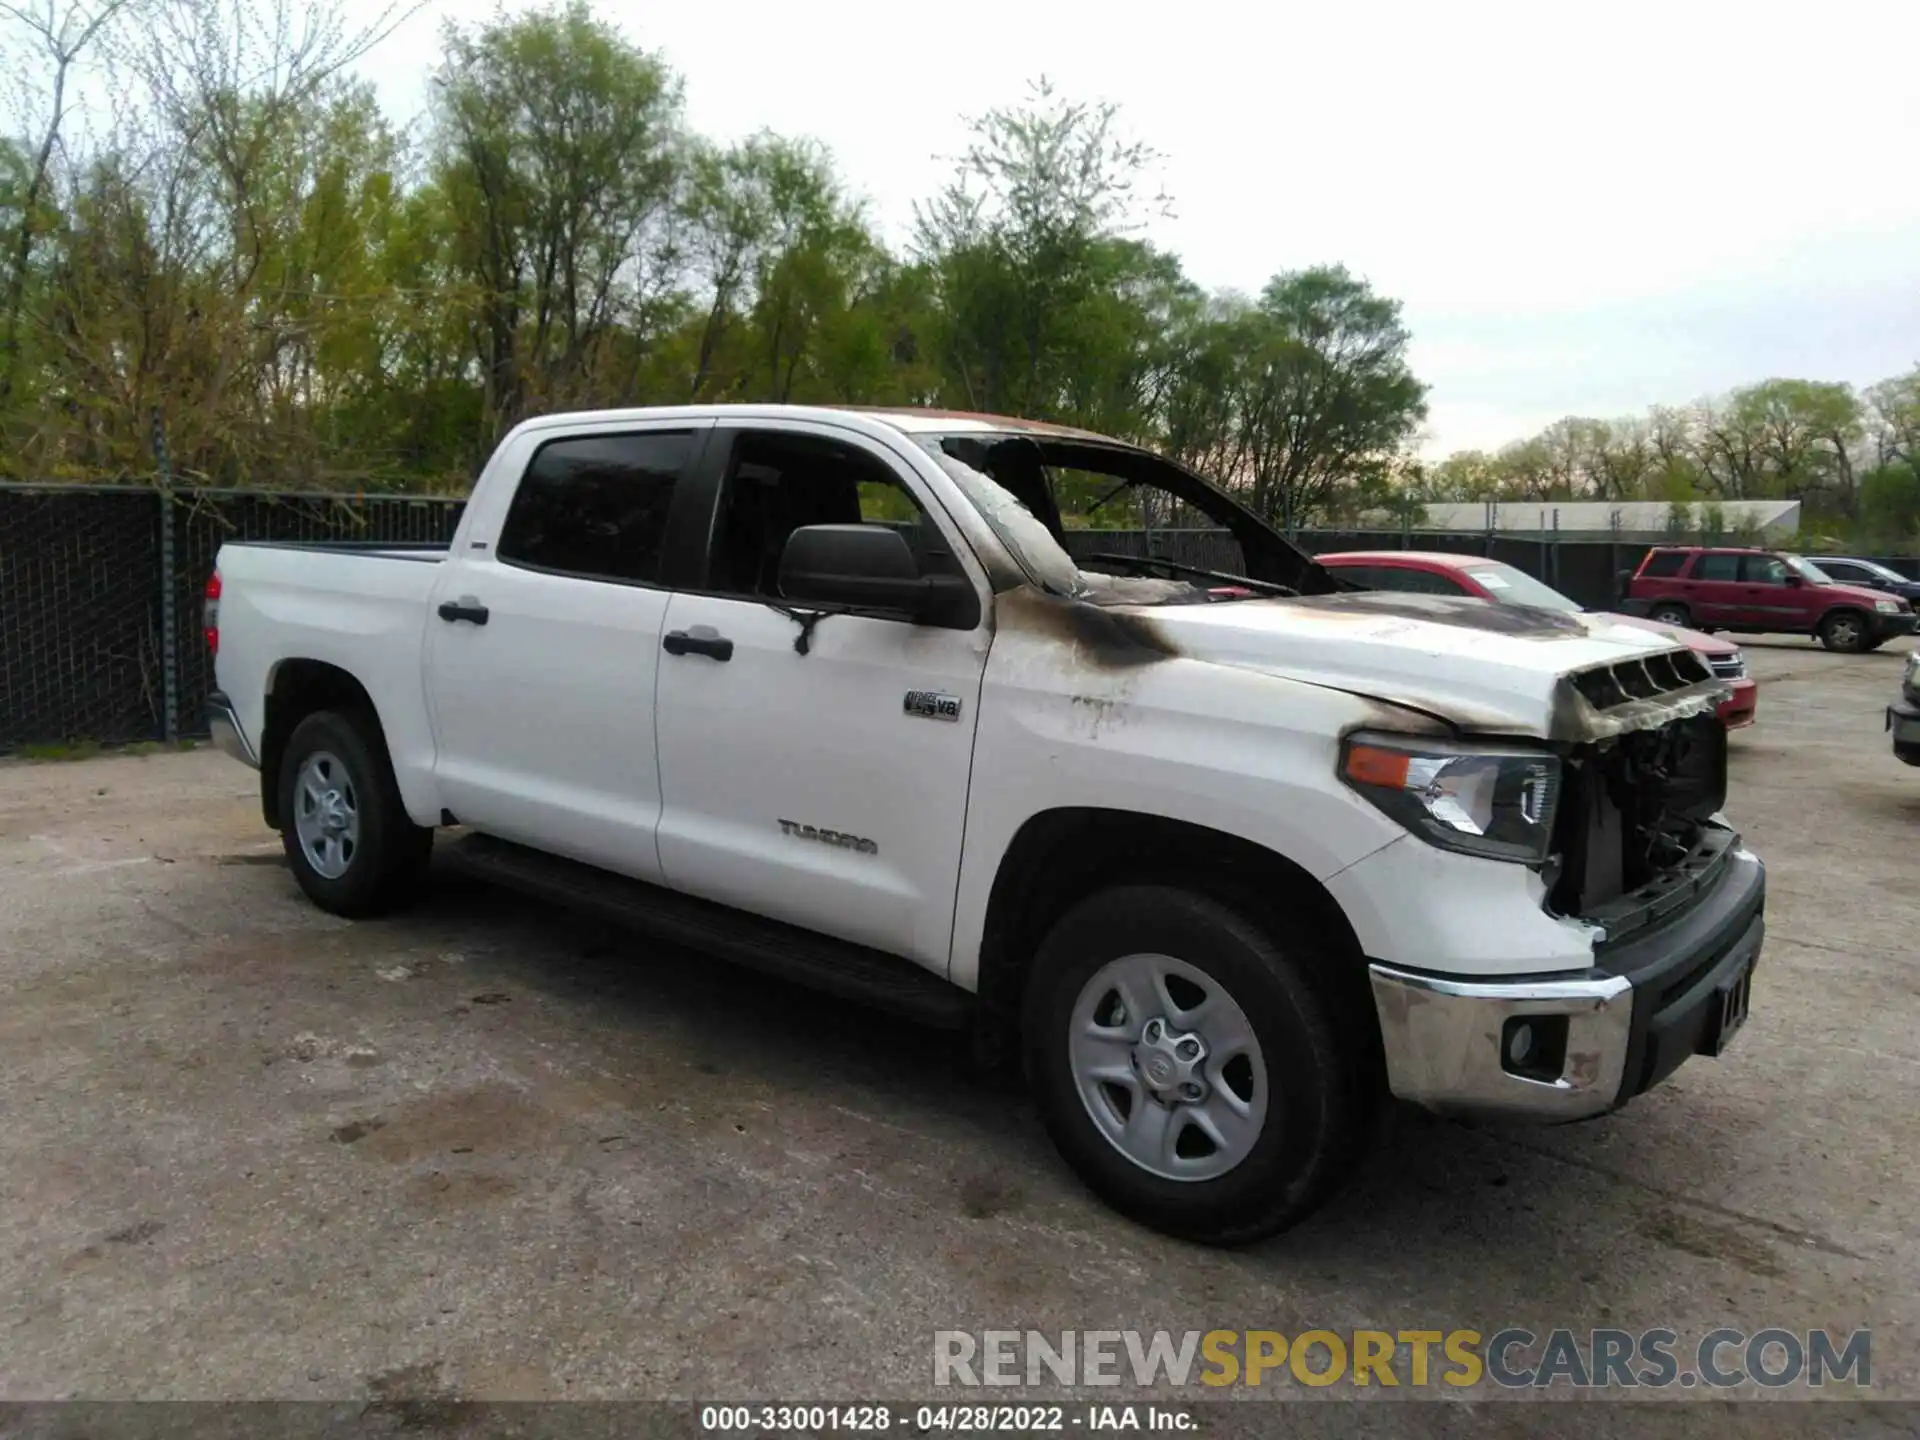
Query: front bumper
(223, 723)
(1883, 626)
(1610, 1033)
(1738, 709)
(1903, 719)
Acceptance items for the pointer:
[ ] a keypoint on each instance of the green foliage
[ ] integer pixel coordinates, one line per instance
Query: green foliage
(307, 296)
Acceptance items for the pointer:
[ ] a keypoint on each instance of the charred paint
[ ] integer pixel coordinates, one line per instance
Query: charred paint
(1520, 621)
(1577, 719)
(1102, 638)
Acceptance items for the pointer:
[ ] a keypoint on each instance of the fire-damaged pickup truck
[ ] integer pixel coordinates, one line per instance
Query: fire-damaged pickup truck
(1218, 857)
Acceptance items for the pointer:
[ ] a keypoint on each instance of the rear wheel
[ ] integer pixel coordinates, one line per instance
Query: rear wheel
(1670, 614)
(1845, 631)
(349, 841)
(1199, 1072)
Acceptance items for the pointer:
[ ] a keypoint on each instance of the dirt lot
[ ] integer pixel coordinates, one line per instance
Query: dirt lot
(485, 1150)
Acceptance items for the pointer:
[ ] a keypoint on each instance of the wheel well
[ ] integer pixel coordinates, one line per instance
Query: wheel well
(295, 690)
(1060, 857)
(1847, 607)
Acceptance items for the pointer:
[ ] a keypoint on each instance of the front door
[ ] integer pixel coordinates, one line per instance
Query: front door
(1773, 594)
(1713, 590)
(816, 769)
(543, 644)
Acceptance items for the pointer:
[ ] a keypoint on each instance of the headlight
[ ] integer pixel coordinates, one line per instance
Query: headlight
(1491, 802)
(1911, 680)
(1887, 607)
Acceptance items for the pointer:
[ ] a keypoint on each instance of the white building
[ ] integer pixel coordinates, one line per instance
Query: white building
(1764, 520)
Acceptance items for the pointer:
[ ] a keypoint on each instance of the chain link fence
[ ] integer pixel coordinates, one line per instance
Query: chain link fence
(95, 580)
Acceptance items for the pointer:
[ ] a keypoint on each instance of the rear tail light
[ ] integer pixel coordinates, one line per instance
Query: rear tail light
(210, 615)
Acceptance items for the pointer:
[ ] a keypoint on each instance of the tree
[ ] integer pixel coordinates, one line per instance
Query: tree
(1021, 247)
(1893, 416)
(559, 146)
(61, 38)
(1325, 391)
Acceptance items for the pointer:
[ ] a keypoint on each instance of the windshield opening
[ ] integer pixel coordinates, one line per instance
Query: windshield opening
(1516, 587)
(1041, 496)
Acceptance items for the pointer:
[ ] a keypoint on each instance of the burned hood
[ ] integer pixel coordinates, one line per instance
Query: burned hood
(1482, 668)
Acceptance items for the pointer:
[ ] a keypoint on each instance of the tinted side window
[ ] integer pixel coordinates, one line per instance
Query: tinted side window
(1717, 566)
(596, 506)
(778, 483)
(1841, 570)
(1664, 563)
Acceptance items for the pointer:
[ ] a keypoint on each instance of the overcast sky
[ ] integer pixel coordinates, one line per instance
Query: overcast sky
(1585, 209)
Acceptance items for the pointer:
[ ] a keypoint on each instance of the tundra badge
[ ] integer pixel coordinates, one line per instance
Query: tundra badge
(932, 705)
(829, 837)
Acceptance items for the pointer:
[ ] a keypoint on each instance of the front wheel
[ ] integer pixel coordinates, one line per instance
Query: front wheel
(1670, 615)
(1200, 1074)
(349, 841)
(1845, 631)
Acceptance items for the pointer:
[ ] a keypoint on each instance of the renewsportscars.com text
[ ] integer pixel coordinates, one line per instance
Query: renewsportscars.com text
(1513, 1358)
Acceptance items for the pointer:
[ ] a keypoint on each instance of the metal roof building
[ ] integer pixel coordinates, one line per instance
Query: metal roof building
(1625, 519)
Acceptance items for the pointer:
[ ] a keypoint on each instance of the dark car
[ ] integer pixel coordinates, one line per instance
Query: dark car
(1903, 716)
(1847, 570)
(1746, 591)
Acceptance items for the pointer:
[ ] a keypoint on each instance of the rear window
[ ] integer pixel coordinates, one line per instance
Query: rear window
(1663, 563)
(1417, 582)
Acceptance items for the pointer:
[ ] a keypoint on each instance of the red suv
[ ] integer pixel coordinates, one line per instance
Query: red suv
(1439, 573)
(1762, 591)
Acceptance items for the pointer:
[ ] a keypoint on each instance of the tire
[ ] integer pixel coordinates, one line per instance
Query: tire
(1315, 1076)
(1844, 630)
(372, 856)
(1670, 614)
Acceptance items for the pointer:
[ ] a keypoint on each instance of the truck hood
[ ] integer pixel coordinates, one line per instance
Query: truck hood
(1480, 667)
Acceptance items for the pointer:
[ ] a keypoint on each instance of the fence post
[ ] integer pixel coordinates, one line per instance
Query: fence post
(1613, 558)
(169, 647)
(1553, 555)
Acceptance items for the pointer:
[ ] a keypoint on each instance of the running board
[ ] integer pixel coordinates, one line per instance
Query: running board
(805, 957)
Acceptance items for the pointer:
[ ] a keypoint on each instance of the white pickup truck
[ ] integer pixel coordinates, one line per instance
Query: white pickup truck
(1219, 858)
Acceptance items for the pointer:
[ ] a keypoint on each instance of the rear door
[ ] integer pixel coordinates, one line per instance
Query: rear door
(543, 646)
(815, 770)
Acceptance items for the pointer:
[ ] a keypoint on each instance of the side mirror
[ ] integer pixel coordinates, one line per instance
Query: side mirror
(1793, 580)
(870, 567)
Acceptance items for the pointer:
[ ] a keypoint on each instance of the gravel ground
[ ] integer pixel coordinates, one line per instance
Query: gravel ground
(485, 1151)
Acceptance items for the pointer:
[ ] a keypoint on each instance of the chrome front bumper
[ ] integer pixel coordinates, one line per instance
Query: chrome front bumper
(224, 725)
(1655, 997)
(1444, 1037)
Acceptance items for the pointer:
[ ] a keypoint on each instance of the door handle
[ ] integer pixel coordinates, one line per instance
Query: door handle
(465, 608)
(679, 642)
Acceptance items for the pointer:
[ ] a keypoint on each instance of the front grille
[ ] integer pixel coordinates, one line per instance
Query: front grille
(1609, 686)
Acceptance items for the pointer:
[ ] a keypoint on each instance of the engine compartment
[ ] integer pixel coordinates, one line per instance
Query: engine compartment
(1634, 812)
